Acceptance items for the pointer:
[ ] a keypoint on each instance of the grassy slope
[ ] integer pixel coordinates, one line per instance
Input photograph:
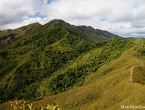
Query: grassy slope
(47, 50)
(108, 88)
(105, 88)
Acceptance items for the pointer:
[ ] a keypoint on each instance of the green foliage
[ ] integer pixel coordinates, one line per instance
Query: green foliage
(54, 54)
(140, 47)
(48, 107)
(44, 62)
(57, 57)
(23, 105)
(110, 50)
(7, 66)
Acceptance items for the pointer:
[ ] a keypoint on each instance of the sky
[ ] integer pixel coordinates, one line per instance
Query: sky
(125, 18)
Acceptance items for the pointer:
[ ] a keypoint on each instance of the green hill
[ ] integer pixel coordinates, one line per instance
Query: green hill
(10, 35)
(108, 88)
(76, 67)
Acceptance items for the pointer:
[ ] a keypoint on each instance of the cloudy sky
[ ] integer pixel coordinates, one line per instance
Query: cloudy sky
(122, 17)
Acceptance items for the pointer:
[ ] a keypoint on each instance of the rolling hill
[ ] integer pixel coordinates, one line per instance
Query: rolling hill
(76, 67)
(109, 88)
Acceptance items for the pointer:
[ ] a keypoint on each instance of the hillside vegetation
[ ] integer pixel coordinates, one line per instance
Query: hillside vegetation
(77, 68)
(108, 88)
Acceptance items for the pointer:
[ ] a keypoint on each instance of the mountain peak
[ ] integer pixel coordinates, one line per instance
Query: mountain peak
(56, 23)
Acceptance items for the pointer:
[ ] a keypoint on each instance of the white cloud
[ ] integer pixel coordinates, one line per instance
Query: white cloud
(123, 17)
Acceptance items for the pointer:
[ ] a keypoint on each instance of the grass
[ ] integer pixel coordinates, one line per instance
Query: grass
(48, 66)
(138, 75)
(108, 88)
(25, 105)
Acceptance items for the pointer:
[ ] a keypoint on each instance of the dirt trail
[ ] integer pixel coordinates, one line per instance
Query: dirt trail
(131, 72)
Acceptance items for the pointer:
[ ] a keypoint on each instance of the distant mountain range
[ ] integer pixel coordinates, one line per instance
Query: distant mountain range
(76, 67)
(10, 35)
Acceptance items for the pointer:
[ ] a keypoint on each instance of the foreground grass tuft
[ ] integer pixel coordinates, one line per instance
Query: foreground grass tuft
(23, 105)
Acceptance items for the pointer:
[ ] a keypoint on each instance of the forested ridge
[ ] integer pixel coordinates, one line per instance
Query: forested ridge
(54, 58)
